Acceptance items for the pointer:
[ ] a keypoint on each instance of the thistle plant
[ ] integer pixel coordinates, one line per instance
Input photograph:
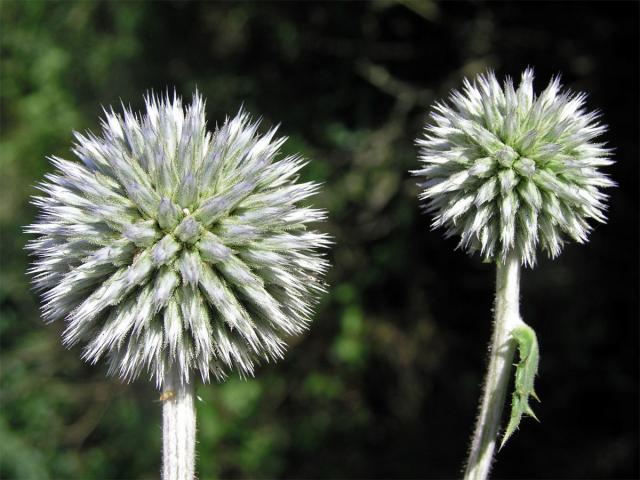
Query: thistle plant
(509, 173)
(178, 253)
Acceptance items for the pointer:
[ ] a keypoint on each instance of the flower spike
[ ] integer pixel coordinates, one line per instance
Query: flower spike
(178, 252)
(508, 172)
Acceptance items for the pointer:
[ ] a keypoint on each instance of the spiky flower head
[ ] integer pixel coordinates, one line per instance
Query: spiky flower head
(173, 247)
(509, 171)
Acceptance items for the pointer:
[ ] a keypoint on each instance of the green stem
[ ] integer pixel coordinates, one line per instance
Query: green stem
(507, 317)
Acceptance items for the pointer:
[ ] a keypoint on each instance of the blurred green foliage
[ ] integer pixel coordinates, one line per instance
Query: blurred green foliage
(385, 383)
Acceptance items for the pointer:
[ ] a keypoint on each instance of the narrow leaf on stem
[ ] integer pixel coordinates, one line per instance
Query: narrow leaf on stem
(526, 370)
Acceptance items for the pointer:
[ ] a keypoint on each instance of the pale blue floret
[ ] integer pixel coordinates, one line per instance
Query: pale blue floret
(169, 246)
(508, 171)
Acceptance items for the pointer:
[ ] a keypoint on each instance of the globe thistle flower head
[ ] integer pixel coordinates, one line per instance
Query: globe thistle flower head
(169, 246)
(508, 171)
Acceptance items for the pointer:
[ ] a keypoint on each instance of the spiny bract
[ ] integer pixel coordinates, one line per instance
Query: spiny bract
(172, 247)
(507, 170)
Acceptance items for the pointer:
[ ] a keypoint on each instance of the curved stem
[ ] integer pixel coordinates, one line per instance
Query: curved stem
(178, 429)
(507, 317)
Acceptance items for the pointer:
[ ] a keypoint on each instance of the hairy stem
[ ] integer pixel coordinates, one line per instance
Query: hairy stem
(178, 429)
(507, 317)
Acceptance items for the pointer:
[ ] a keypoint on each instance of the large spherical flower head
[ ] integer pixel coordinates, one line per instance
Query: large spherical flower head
(172, 247)
(507, 170)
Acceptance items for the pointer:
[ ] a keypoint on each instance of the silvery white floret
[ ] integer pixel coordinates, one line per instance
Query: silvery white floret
(171, 247)
(508, 171)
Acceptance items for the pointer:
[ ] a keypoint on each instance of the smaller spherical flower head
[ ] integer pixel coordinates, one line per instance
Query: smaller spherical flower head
(508, 171)
(173, 247)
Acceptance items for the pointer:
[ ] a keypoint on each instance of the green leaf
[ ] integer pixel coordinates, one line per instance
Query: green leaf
(526, 370)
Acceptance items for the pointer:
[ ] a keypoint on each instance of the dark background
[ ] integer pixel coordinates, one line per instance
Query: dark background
(386, 382)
